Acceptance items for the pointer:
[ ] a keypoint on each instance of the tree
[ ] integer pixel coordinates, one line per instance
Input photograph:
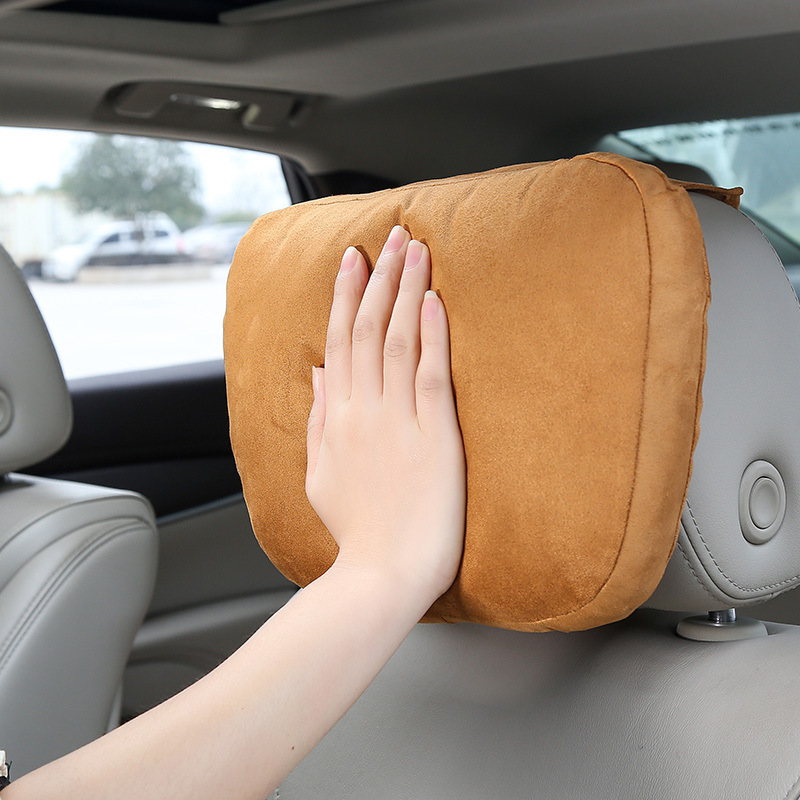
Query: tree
(131, 176)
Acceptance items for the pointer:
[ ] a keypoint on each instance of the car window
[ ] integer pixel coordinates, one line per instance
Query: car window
(126, 241)
(760, 154)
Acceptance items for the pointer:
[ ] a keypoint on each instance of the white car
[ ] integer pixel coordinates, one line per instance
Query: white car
(123, 243)
(214, 244)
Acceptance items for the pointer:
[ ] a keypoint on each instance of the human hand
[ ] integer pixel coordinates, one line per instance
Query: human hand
(386, 470)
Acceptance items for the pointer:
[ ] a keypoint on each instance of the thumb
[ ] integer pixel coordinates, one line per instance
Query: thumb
(316, 419)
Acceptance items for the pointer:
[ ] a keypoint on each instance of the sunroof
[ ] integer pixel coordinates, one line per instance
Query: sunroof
(209, 11)
(173, 10)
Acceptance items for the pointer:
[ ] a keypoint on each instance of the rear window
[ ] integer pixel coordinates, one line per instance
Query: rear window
(760, 154)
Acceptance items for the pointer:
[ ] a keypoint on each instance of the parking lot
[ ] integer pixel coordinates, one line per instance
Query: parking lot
(124, 319)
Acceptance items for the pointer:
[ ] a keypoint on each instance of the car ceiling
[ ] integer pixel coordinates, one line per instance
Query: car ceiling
(399, 89)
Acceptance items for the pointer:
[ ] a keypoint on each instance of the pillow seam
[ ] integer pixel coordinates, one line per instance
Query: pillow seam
(584, 606)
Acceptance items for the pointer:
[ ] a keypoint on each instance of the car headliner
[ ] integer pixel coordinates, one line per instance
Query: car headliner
(410, 89)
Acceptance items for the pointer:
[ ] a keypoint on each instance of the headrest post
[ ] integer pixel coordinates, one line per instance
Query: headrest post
(725, 617)
(720, 626)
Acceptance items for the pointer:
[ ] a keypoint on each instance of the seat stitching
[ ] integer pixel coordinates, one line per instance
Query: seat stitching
(691, 569)
(792, 794)
(74, 504)
(56, 581)
(722, 571)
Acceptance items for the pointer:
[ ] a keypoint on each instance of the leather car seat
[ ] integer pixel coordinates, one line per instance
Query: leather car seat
(77, 562)
(629, 710)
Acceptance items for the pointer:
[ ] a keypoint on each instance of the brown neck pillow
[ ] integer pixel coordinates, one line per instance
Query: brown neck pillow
(576, 292)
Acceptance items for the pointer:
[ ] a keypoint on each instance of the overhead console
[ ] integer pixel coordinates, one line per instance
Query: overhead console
(170, 102)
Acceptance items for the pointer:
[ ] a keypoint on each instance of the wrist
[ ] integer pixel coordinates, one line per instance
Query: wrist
(404, 587)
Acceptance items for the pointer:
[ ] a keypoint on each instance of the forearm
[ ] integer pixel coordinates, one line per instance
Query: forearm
(386, 475)
(240, 730)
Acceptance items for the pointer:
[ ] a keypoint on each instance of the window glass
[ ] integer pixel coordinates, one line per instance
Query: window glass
(761, 154)
(126, 241)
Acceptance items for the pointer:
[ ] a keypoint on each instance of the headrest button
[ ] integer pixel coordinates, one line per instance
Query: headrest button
(762, 502)
(765, 502)
(6, 412)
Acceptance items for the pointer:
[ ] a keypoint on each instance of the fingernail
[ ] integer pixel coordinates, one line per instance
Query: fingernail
(396, 239)
(413, 254)
(430, 305)
(349, 260)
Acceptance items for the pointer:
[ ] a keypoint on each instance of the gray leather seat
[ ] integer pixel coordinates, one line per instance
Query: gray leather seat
(629, 710)
(77, 562)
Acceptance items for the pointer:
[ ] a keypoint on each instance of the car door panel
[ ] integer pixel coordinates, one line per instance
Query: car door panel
(164, 433)
(172, 651)
(126, 424)
(209, 554)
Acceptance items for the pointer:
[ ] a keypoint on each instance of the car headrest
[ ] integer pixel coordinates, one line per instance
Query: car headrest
(576, 292)
(679, 171)
(738, 541)
(35, 407)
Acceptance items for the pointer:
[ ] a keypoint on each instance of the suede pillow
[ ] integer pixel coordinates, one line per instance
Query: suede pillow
(576, 292)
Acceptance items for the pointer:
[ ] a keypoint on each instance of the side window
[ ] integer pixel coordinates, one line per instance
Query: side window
(126, 241)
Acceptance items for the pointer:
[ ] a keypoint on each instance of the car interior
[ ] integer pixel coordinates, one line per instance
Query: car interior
(111, 603)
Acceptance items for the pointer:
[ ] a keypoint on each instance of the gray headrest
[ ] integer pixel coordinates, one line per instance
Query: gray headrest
(35, 407)
(683, 172)
(738, 541)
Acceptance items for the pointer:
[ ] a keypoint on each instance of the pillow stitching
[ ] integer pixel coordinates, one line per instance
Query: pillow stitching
(641, 408)
(698, 401)
(347, 198)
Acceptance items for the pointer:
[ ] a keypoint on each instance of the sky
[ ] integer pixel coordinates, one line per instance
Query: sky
(231, 179)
